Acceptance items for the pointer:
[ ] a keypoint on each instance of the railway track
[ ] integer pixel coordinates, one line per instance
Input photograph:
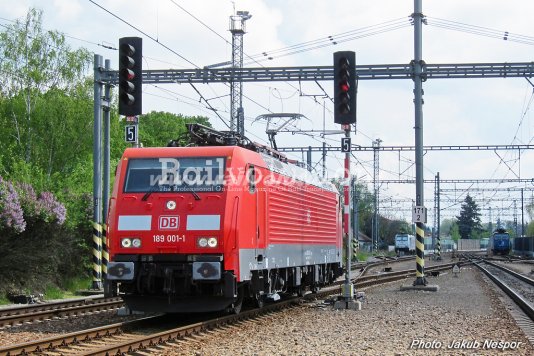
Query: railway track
(40, 312)
(133, 336)
(363, 267)
(519, 288)
(369, 280)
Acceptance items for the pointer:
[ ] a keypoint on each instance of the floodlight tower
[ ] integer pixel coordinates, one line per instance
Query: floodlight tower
(237, 28)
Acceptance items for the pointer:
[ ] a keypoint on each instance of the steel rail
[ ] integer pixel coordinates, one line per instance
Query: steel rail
(519, 300)
(513, 273)
(61, 312)
(54, 342)
(364, 281)
(24, 309)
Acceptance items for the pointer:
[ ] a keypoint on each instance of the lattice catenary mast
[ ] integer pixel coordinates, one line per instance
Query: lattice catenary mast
(237, 28)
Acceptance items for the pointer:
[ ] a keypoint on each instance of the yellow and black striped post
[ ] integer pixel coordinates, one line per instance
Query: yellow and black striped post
(97, 253)
(438, 250)
(355, 247)
(97, 171)
(105, 254)
(420, 255)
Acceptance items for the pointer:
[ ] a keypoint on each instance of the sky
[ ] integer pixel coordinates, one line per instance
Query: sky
(455, 112)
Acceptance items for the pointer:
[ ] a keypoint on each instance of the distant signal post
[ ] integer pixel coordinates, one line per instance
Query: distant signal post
(130, 76)
(345, 114)
(131, 85)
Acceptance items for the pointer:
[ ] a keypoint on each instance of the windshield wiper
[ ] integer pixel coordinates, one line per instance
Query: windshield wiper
(197, 197)
(156, 187)
(150, 191)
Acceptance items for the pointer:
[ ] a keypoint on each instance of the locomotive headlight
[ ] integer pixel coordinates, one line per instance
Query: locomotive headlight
(212, 242)
(171, 205)
(127, 242)
(202, 242)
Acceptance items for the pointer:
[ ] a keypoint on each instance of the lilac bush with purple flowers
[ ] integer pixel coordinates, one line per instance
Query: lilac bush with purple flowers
(11, 213)
(21, 206)
(45, 207)
(28, 199)
(50, 209)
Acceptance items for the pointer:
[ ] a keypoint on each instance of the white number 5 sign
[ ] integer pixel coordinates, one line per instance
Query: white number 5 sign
(130, 133)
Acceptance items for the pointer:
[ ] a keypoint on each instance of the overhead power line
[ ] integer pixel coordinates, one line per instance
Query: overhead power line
(333, 40)
(200, 21)
(10, 28)
(479, 30)
(144, 33)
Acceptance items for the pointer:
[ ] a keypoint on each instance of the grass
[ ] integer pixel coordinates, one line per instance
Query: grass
(75, 284)
(53, 292)
(69, 290)
(4, 300)
(72, 286)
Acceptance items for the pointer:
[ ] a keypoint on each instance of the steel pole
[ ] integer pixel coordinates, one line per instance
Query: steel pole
(438, 216)
(309, 159)
(418, 103)
(346, 300)
(105, 195)
(324, 159)
(522, 214)
(355, 227)
(97, 174)
(348, 292)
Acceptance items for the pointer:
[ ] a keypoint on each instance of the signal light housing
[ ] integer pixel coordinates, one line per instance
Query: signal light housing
(345, 87)
(130, 76)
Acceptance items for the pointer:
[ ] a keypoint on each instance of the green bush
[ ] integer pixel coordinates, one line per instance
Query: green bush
(53, 292)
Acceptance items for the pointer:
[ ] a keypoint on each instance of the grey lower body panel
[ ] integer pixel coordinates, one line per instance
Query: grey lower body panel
(284, 256)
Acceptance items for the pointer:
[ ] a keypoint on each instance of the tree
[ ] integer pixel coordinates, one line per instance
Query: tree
(469, 218)
(529, 207)
(365, 204)
(157, 128)
(389, 228)
(455, 234)
(32, 62)
(446, 226)
(530, 229)
(449, 228)
(46, 153)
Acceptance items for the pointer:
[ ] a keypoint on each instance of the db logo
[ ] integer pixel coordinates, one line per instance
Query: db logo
(169, 222)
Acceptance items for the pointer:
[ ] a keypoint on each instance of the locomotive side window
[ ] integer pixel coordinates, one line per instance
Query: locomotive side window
(251, 177)
(200, 174)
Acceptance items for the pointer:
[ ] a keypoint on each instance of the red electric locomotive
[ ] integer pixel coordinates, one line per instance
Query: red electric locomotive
(195, 229)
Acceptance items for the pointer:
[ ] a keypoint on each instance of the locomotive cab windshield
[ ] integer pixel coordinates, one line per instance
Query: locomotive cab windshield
(148, 175)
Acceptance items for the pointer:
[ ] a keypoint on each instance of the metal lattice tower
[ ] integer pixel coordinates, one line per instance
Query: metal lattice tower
(515, 218)
(237, 28)
(490, 225)
(437, 218)
(436, 197)
(376, 146)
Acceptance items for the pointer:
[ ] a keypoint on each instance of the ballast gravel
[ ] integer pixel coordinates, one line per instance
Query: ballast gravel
(464, 317)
